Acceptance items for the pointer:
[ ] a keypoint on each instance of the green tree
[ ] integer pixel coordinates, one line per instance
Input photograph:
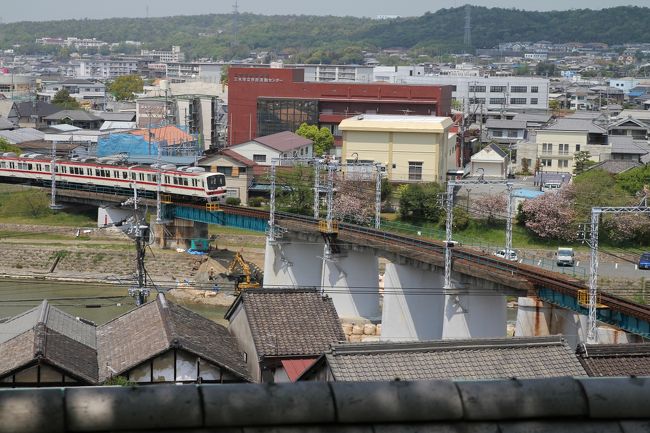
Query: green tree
(5, 146)
(224, 75)
(582, 161)
(322, 138)
(419, 202)
(635, 180)
(63, 99)
(295, 189)
(124, 88)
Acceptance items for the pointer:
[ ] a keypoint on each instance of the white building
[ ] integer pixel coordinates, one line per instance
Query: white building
(103, 69)
(625, 84)
(81, 90)
(175, 55)
(350, 73)
(513, 93)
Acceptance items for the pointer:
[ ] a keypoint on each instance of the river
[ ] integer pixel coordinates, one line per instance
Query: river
(99, 303)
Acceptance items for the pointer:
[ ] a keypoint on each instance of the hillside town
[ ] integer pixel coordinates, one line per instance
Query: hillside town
(450, 241)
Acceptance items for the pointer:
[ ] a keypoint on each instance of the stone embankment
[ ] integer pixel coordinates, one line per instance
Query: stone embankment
(360, 330)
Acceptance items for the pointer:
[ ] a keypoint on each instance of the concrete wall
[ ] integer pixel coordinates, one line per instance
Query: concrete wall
(292, 263)
(108, 215)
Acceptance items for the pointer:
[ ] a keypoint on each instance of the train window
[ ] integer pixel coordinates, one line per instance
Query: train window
(3, 164)
(116, 174)
(141, 176)
(132, 176)
(215, 181)
(167, 179)
(97, 172)
(107, 173)
(125, 175)
(185, 182)
(29, 166)
(47, 167)
(11, 165)
(148, 178)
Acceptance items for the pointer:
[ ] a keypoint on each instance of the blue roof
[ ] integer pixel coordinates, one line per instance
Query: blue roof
(527, 193)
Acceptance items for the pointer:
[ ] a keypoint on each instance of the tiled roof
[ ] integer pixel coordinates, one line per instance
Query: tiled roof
(616, 166)
(576, 124)
(290, 322)
(79, 115)
(284, 141)
(615, 359)
(53, 335)
(238, 157)
(454, 359)
(38, 108)
(158, 326)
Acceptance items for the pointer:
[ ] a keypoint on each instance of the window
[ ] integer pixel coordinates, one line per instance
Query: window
(476, 101)
(513, 134)
(547, 162)
(518, 101)
(497, 100)
(277, 115)
(533, 101)
(518, 89)
(497, 133)
(547, 148)
(577, 148)
(563, 163)
(497, 89)
(534, 89)
(453, 88)
(478, 89)
(259, 158)
(415, 170)
(564, 149)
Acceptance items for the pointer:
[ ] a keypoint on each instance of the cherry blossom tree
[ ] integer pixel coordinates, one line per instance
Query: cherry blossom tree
(354, 197)
(491, 206)
(551, 216)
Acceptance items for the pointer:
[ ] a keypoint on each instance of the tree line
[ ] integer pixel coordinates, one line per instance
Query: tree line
(329, 39)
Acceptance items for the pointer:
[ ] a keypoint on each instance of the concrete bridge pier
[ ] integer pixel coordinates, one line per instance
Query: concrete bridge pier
(178, 233)
(413, 303)
(474, 315)
(292, 263)
(533, 318)
(111, 215)
(351, 279)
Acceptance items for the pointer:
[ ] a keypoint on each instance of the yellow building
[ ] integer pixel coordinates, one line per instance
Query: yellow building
(413, 148)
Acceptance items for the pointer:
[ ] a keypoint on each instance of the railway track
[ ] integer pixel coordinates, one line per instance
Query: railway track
(538, 277)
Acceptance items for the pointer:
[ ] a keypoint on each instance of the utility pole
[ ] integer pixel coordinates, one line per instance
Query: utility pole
(317, 189)
(642, 208)
(378, 180)
(331, 168)
(139, 291)
(271, 234)
(53, 204)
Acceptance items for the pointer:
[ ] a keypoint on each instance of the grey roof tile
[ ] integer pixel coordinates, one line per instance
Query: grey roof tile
(615, 359)
(456, 359)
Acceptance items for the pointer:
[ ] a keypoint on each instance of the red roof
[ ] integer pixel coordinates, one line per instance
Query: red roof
(238, 157)
(296, 367)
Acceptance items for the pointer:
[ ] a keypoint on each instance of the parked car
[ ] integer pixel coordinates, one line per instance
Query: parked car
(508, 255)
(565, 257)
(644, 261)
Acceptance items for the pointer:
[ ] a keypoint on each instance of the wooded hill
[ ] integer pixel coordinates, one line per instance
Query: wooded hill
(328, 38)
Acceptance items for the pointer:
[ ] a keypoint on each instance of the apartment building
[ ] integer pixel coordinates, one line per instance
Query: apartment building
(327, 73)
(555, 145)
(102, 68)
(88, 92)
(492, 93)
(175, 55)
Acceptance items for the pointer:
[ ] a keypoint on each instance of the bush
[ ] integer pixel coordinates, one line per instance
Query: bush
(255, 201)
(233, 201)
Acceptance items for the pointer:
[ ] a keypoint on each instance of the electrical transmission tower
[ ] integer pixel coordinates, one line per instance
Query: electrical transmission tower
(235, 18)
(589, 234)
(468, 27)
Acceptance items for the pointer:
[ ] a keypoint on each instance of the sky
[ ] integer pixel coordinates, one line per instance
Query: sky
(41, 10)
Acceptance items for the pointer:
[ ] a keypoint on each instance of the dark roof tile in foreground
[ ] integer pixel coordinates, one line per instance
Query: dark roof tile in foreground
(158, 326)
(615, 359)
(290, 322)
(453, 359)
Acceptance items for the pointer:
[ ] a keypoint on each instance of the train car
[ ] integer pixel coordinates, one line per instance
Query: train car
(181, 184)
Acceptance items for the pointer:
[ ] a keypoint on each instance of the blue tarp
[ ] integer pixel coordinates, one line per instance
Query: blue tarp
(126, 143)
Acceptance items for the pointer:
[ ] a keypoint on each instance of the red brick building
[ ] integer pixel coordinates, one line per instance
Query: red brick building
(264, 101)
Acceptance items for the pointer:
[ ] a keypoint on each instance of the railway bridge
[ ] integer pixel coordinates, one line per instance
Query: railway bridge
(345, 264)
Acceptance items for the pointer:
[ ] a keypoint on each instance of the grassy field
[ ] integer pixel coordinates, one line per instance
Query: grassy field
(24, 205)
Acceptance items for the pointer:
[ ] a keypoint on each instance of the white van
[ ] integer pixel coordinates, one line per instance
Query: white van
(565, 257)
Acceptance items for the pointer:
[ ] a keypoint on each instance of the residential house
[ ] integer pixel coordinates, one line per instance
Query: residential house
(262, 150)
(45, 346)
(283, 331)
(629, 126)
(80, 118)
(18, 136)
(506, 131)
(9, 111)
(607, 360)
(237, 168)
(32, 114)
(556, 144)
(413, 148)
(158, 342)
(162, 342)
(475, 359)
(491, 161)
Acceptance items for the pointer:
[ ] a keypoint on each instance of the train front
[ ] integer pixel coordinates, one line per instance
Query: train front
(215, 186)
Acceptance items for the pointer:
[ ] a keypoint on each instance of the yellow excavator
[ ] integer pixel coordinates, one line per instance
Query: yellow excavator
(241, 270)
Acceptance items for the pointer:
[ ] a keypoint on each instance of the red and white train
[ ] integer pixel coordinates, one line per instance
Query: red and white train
(104, 174)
